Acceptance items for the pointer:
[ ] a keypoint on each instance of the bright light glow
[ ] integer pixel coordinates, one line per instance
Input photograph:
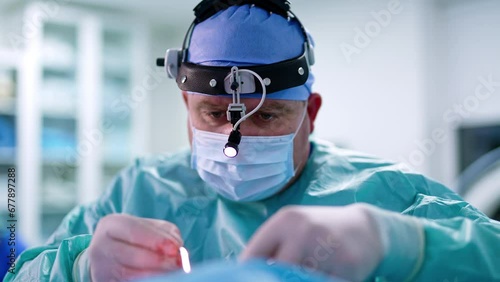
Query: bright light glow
(186, 265)
(230, 152)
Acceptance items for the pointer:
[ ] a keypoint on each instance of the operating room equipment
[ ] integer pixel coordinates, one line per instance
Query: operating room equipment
(480, 183)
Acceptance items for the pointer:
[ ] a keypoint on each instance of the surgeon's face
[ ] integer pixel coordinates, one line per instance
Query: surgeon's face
(274, 118)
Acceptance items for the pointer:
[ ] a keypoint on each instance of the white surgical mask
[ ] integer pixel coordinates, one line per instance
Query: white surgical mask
(261, 169)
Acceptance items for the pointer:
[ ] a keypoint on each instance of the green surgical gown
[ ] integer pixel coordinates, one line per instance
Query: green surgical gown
(460, 244)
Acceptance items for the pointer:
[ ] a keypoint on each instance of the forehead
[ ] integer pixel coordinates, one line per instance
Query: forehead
(201, 101)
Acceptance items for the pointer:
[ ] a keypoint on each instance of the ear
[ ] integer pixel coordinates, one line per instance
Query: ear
(185, 97)
(313, 106)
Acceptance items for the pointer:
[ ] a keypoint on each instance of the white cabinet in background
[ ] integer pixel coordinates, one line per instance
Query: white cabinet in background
(72, 68)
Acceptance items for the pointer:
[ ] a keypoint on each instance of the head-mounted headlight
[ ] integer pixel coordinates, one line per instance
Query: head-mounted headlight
(214, 80)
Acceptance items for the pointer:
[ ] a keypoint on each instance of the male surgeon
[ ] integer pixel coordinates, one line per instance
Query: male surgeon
(285, 196)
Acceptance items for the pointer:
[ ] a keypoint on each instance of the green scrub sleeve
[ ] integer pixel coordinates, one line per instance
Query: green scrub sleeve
(63, 256)
(53, 263)
(426, 247)
(461, 248)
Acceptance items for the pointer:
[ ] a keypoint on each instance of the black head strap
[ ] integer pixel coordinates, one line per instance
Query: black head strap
(210, 80)
(208, 8)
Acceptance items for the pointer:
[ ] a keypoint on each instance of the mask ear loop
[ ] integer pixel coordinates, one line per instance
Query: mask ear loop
(191, 126)
(295, 134)
(301, 120)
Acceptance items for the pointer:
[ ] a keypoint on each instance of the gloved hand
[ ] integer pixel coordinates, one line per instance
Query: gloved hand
(341, 241)
(125, 247)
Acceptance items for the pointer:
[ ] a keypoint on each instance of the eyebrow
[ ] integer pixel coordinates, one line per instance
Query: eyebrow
(276, 106)
(269, 105)
(206, 104)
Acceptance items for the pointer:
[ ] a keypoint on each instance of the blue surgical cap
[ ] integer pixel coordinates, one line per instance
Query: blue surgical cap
(248, 35)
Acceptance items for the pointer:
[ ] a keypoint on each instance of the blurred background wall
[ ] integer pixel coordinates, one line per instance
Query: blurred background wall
(80, 97)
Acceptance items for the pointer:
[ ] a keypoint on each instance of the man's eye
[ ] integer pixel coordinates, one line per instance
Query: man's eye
(266, 116)
(216, 115)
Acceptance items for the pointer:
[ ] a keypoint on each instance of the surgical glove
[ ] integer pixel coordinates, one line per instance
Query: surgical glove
(341, 241)
(125, 247)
